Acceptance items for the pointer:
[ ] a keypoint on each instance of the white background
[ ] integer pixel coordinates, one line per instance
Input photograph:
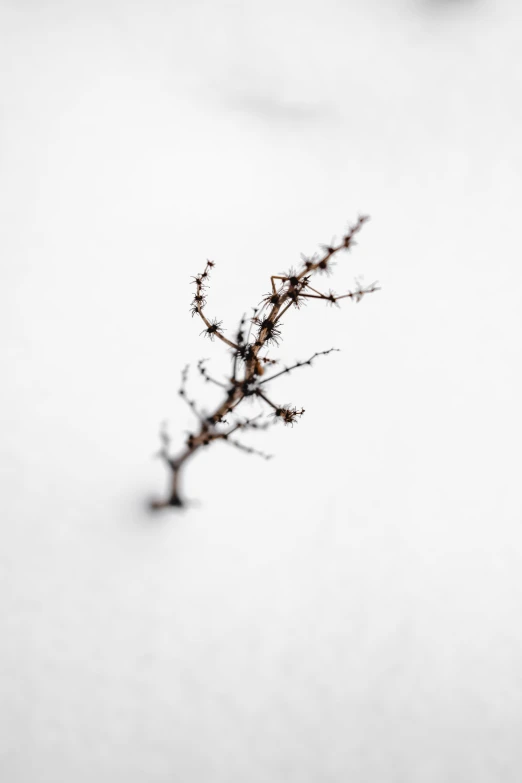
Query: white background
(349, 611)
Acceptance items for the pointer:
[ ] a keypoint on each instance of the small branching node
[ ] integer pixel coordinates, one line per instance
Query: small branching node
(212, 329)
(267, 332)
(247, 379)
(288, 415)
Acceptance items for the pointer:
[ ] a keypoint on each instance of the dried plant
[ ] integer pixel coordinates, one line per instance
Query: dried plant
(249, 360)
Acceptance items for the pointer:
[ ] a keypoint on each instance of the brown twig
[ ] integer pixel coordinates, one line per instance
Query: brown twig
(291, 289)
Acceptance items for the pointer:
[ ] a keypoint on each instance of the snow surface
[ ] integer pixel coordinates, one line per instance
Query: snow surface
(349, 611)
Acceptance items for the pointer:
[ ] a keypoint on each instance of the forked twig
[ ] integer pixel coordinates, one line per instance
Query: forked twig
(291, 289)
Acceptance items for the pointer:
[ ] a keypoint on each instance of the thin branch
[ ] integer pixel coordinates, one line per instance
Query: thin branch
(298, 364)
(198, 303)
(265, 398)
(182, 391)
(165, 439)
(248, 449)
(203, 372)
(334, 298)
